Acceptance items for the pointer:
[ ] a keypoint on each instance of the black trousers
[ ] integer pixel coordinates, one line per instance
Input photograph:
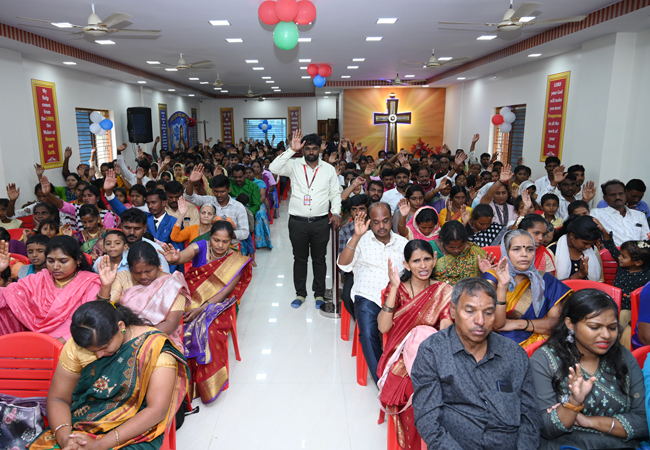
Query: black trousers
(309, 238)
(283, 185)
(348, 282)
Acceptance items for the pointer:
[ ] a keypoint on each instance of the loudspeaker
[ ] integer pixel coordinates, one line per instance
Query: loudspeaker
(138, 125)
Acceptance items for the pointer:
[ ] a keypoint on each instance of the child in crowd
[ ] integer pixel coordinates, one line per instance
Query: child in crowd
(550, 203)
(6, 223)
(578, 208)
(120, 193)
(115, 244)
(248, 246)
(36, 254)
(49, 228)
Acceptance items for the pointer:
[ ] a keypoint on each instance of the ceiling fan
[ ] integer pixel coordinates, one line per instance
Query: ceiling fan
(219, 83)
(97, 26)
(434, 62)
(183, 65)
(512, 20)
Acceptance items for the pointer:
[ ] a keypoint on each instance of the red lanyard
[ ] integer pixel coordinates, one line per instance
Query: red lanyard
(312, 178)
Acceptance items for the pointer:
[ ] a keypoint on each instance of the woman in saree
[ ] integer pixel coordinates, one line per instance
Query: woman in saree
(267, 178)
(118, 383)
(589, 387)
(457, 208)
(44, 302)
(457, 257)
(423, 224)
(193, 233)
(410, 301)
(218, 279)
(91, 236)
(530, 306)
(155, 296)
(262, 227)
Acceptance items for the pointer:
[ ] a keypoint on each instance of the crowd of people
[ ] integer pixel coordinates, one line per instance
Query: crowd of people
(457, 255)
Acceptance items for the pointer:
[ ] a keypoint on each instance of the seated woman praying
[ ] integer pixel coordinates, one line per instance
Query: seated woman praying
(155, 296)
(118, 383)
(193, 233)
(590, 388)
(528, 302)
(456, 208)
(576, 256)
(537, 227)
(217, 281)
(481, 229)
(44, 302)
(423, 224)
(413, 301)
(414, 199)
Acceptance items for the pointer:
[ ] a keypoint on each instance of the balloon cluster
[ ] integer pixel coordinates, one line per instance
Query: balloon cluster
(504, 119)
(265, 126)
(99, 125)
(319, 73)
(191, 122)
(285, 14)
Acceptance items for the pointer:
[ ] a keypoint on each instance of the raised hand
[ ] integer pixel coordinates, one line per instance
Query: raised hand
(473, 192)
(520, 161)
(39, 170)
(139, 174)
(46, 187)
(197, 174)
(584, 267)
(525, 197)
(506, 174)
(106, 271)
(81, 171)
(182, 206)
(67, 230)
(464, 215)
(171, 254)
(358, 182)
(558, 175)
(403, 159)
(296, 141)
(110, 181)
(217, 171)
(404, 207)
(333, 158)
(370, 168)
(67, 153)
(460, 159)
(588, 191)
(157, 139)
(502, 272)
(118, 171)
(91, 172)
(578, 386)
(5, 256)
(323, 146)
(361, 225)
(487, 263)
(121, 148)
(475, 138)
(393, 275)
(514, 191)
(12, 192)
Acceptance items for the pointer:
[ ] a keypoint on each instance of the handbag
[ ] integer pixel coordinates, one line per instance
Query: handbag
(22, 421)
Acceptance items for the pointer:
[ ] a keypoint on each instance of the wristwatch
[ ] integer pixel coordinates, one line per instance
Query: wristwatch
(565, 402)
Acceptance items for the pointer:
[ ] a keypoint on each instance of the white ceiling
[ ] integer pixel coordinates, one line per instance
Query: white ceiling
(338, 35)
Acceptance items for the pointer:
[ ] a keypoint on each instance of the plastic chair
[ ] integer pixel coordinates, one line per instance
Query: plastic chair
(15, 233)
(640, 354)
(28, 221)
(362, 366)
(27, 363)
(23, 259)
(495, 250)
(610, 266)
(169, 441)
(345, 323)
(532, 347)
(286, 189)
(233, 332)
(636, 299)
(612, 291)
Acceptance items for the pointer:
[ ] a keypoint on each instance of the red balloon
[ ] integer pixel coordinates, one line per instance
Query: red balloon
(306, 13)
(324, 71)
(286, 10)
(312, 70)
(497, 119)
(266, 12)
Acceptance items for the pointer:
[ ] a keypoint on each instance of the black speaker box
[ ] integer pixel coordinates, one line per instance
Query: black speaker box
(138, 124)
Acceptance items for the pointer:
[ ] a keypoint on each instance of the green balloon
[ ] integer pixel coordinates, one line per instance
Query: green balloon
(285, 35)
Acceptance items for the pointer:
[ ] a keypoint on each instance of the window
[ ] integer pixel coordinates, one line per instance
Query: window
(279, 129)
(87, 139)
(511, 145)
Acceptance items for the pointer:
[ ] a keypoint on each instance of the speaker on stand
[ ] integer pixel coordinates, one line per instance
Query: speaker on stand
(138, 124)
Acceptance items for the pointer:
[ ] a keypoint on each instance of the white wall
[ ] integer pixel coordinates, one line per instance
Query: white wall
(74, 89)
(326, 108)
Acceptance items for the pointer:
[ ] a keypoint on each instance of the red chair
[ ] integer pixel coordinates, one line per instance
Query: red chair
(16, 233)
(532, 347)
(610, 266)
(640, 354)
(345, 323)
(21, 258)
(28, 221)
(233, 332)
(362, 366)
(169, 441)
(636, 299)
(286, 189)
(495, 250)
(612, 291)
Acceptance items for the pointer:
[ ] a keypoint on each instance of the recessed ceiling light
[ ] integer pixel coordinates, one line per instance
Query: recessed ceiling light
(219, 23)
(358, 59)
(223, 91)
(487, 37)
(194, 79)
(460, 78)
(204, 82)
(153, 62)
(534, 55)
(277, 90)
(425, 85)
(386, 21)
(275, 87)
(353, 67)
(409, 76)
(305, 77)
(304, 39)
(377, 87)
(345, 76)
(142, 82)
(258, 68)
(69, 63)
(171, 69)
(217, 89)
(328, 92)
(191, 95)
(445, 58)
(234, 40)
(251, 61)
(303, 67)
(526, 19)
(375, 38)
(62, 24)
(104, 42)
(171, 90)
(326, 96)
(304, 60)
(269, 81)
(266, 78)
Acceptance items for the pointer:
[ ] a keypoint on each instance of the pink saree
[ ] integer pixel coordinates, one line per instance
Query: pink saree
(34, 303)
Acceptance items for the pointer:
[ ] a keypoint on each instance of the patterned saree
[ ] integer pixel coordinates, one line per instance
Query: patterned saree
(112, 390)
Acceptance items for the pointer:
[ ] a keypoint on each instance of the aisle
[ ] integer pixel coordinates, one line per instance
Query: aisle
(295, 387)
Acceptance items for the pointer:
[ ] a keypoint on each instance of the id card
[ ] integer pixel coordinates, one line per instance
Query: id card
(307, 200)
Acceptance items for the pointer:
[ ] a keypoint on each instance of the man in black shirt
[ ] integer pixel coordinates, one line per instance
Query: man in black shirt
(474, 389)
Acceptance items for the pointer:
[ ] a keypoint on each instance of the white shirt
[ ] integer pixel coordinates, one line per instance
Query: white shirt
(542, 184)
(392, 197)
(323, 189)
(632, 227)
(370, 264)
(563, 207)
(127, 174)
(158, 221)
(235, 210)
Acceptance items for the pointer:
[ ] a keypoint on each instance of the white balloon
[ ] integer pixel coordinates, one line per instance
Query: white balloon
(96, 117)
(264, 126)
(504, 110)
(102, 132)
(95, 128)
(505, 127)
(509, 117)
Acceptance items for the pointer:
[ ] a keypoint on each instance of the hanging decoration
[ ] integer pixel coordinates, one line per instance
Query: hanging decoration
(191, 122)
(504, 119)
(99, 125)
(285, 15)
(265, 126)
(319, 73)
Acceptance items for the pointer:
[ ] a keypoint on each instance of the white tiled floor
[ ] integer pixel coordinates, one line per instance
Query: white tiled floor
(295, 387)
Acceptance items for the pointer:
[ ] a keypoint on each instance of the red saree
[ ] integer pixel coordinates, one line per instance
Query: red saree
(428, 308)
(207, 355)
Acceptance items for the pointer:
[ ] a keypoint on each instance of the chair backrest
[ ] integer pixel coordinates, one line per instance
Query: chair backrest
(21, 258)
(16, 233)
(640, 354)
(610, 266)
(28, 221)
(612, 291)
(636, 301)
(27, 363)
(495, 250)
(532, 347)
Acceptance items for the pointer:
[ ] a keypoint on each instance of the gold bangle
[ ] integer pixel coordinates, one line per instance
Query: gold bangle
(61, 426)
(117, 436)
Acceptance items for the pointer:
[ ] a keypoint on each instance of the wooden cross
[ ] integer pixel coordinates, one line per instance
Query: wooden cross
(392, 118)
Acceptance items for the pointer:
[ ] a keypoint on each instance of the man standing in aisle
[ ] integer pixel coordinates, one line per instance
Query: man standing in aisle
(314, 186)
